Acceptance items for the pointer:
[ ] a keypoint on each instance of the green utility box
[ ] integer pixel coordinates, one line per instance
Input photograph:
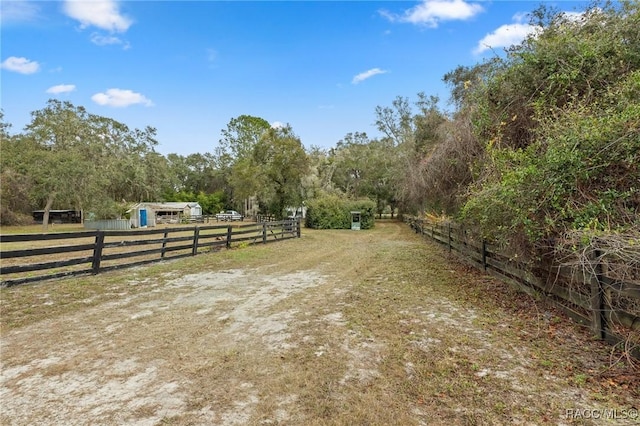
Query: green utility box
(355, 221)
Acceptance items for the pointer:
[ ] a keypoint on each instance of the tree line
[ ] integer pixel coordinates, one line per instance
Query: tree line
(537, 143)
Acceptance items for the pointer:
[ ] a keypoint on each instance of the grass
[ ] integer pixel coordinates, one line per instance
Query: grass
(38, 229)
(393, 332)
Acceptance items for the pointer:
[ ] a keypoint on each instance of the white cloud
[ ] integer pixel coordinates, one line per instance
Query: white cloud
(102, 40)
(432, 12)
(278, 125)
(18, 11)
(367, 74)
(104, 14)
(512, 34)
(120, 98)
(505, 36)
(61, 88)
(20, 65)
(578, 17)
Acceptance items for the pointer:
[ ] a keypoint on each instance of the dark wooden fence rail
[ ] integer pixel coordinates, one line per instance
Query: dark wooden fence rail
(34, 257)
(587, 298)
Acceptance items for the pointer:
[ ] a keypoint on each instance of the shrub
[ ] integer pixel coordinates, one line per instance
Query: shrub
(563, 142)
(334, 212)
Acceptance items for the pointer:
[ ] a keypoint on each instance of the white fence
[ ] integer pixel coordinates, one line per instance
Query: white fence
(110, 224)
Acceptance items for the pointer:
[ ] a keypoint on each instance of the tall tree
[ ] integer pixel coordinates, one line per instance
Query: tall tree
(413, 137)
(234, 156)
(239, 138)
(350, 164)
(57, 136)
(281, 163)
(194, 173)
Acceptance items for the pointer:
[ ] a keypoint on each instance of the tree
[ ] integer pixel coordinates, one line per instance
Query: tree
(280, 162)
(56, 143)
(382, 176)
(240, 137)
(411, 138)
(15, 205)
(234, 156)
(81, 160)
(350, 164)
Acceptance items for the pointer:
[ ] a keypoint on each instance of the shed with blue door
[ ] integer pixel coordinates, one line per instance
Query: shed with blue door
(149, 214)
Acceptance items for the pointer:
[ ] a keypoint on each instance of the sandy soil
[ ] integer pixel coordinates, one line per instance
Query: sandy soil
(91, 367)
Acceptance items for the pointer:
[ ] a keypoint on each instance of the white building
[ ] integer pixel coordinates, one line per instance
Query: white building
(152, 214)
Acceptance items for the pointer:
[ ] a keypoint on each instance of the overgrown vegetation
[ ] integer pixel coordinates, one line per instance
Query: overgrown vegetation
(333, 212)
(560, 121)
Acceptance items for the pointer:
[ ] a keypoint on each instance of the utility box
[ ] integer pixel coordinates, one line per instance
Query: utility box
(355, 221)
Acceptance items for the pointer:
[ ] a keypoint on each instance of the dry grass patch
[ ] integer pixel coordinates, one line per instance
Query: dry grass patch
(335, 328)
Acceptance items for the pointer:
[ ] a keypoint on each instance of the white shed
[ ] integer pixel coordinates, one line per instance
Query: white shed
(152, 214)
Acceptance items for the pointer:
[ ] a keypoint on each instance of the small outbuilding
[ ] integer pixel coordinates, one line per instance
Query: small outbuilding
(58, 216)
(355, 220)
(151, 214)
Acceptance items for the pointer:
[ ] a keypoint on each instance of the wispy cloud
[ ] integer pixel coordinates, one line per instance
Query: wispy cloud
(103, 14)
(61, 88)
(120, 98)
(18, 11)
(20, 65)
(506, 35)
(102, 40)
(212, 55)
(367, 74)
(431, 12)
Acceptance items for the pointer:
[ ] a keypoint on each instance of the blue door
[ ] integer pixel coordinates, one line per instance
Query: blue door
(143, 218)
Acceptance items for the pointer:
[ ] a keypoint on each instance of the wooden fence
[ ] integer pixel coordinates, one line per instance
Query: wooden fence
(35, 257)
(607, 305)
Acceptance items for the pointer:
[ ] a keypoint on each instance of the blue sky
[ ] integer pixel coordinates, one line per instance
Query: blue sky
(188, 67)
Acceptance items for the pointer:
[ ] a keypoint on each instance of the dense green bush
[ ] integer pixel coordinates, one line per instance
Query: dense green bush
(560, 120)
(334, 212)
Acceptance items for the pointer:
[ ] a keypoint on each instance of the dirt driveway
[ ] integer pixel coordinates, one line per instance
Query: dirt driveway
(336, 328)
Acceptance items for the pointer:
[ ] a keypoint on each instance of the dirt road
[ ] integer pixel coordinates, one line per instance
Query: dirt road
(336, 328)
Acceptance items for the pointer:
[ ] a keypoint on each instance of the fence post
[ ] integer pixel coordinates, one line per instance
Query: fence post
(164, 243)
(264, 232)
(97, 252)
(484, 254)
(196, 235)
(598, 322)
(229, 234)
(299, 225)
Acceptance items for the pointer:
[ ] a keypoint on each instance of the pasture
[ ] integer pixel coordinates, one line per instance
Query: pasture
(372, 327)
